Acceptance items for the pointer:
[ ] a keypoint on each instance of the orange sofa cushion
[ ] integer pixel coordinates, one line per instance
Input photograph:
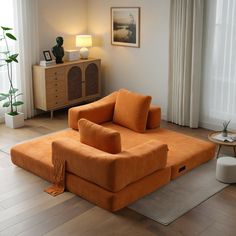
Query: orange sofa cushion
(185, 152)
(98, 112)
(131, 110)
(154, 117)
(109, 171)
(115, 201)
(36, 155)
(97, 136)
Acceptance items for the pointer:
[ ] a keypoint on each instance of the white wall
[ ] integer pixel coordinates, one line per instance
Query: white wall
(64, 18)
(143, 69)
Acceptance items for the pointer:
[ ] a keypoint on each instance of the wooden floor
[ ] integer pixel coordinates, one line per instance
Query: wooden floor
(26, 210)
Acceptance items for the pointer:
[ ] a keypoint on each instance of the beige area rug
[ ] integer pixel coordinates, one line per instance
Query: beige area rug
(181, 195)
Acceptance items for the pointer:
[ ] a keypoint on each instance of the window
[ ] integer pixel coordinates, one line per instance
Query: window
(219, 73)
(6, 19)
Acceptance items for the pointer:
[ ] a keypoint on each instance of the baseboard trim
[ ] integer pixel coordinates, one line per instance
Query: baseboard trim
(206, 125)
(214, 126)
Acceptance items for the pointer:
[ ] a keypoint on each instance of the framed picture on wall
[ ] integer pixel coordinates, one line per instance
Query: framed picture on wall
(47, 55)
(125, 26)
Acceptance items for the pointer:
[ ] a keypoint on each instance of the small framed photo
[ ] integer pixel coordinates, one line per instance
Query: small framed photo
(125, 26)
(47, 55)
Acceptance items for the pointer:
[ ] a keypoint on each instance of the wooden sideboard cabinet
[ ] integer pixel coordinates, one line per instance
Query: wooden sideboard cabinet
(66, 84)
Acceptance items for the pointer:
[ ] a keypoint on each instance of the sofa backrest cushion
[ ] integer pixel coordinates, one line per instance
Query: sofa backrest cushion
(154, 117)
(131, 110)
(97, 136)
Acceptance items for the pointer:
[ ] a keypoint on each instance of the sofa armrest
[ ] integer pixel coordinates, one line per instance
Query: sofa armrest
(98, 112)
(112, 172)
(154, 117)
(149, 157)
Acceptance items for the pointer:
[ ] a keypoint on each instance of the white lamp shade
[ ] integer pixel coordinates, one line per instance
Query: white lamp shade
(83, 41)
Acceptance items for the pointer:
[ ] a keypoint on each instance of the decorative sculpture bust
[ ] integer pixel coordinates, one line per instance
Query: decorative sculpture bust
(58, 50)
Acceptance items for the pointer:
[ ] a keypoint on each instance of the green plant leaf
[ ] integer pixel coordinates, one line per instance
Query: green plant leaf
(15, 60)
(13, 57)
(2, 98)
(14, 113)
(11, 36)
(6, 28)
(13, 91)
(18, 103)
(8, 60)
(6, 104)
(4, 95)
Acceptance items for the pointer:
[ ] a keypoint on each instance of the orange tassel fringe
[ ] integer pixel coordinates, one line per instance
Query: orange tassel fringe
(58, 186)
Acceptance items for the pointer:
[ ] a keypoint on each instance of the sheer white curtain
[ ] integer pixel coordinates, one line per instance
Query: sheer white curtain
(219, 73)
(22, 16)
(185, 62)
(7, 20)
(26, 25)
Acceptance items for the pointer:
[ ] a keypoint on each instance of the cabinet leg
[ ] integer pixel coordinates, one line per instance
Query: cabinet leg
(218, 151)
(51, 114)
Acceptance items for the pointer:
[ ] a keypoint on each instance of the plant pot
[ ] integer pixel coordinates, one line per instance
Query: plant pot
(14, 122)
(225, 133)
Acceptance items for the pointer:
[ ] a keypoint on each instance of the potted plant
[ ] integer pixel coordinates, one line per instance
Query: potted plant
(225, 128)
(13, 119)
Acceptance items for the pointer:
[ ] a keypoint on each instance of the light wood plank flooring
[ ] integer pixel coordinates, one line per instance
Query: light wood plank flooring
(26, 210)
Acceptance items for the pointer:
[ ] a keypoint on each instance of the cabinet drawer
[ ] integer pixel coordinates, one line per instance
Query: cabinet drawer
(54, 103)
(54, 94)
(54, 85)
(49, 73)
(55, 78)
(54, 91)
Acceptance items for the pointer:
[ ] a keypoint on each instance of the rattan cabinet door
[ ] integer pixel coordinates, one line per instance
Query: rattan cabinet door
(92, 78)
(75, 82)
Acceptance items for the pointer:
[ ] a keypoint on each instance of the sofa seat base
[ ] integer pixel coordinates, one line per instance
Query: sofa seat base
(116, 201)
(185, 152)
(35, 155)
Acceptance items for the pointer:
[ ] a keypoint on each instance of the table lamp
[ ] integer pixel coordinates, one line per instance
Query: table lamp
(84, 41)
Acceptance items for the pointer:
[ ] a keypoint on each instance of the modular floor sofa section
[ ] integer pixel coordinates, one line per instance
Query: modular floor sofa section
(132, 179)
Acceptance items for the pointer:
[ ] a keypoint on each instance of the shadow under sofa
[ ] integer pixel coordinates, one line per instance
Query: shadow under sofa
(183, 154)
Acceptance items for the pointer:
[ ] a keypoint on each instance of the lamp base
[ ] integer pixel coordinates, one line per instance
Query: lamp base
(84, 52)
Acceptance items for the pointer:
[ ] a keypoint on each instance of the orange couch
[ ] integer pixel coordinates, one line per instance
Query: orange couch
(148, 159)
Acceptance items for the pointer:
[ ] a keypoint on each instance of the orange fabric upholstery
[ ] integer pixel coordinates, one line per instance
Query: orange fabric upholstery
(103, 109)
(36, 155)
(113, 181)
(154, 117)
(112, 172)
(185, 152)
(116, 201)
(131, 110)
(97, 136)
